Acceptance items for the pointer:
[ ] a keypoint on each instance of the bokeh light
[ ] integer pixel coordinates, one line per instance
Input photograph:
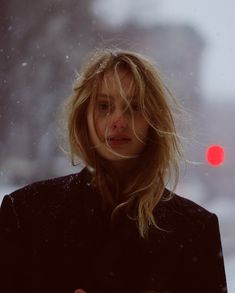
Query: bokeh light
(215, 155)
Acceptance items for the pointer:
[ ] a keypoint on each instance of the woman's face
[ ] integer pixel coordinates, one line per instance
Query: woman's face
(116, 132)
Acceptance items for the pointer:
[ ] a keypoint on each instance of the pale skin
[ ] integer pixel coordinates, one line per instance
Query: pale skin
(110, 117)
(110, 125)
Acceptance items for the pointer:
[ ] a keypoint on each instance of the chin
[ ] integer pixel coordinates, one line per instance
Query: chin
(115, 158)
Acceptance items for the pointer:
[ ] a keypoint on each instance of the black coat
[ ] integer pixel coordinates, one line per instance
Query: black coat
(56, 237)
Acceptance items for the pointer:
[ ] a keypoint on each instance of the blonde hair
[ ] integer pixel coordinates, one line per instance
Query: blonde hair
(158, 164)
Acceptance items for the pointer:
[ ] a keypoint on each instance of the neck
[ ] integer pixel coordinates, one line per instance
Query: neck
(123, 171)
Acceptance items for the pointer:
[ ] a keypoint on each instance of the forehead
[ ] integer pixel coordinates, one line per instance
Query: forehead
(116, 82)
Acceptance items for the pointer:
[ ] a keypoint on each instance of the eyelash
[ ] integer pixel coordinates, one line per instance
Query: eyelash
(105, 107)
(135, 107)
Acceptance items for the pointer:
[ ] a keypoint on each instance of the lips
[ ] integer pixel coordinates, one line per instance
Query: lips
(118, 140)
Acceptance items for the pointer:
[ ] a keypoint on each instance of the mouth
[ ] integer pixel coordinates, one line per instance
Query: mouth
(118, 140)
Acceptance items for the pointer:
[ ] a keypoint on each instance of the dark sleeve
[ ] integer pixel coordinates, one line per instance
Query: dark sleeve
(12, 278)
(203, 264)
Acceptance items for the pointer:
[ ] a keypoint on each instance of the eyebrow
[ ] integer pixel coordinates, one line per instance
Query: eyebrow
(102, 95)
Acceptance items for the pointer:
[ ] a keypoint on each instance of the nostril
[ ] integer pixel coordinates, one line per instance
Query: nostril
(119, 124)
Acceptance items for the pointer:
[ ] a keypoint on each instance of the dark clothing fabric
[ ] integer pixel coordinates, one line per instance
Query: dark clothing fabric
(56, 237)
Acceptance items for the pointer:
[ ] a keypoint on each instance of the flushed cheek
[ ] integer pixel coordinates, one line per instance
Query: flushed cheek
(142, 130)
(101, 129)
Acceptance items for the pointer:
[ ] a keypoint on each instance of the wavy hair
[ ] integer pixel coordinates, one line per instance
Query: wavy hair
(158, 164)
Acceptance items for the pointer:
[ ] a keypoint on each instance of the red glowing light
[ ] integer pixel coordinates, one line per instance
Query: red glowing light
(215, 155)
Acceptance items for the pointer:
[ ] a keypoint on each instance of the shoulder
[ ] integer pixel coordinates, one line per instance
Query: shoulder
(187, 208)
(47, 194)
(180, 214)
(51, 186)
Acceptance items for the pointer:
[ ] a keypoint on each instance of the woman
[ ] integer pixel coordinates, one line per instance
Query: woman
(113, 227)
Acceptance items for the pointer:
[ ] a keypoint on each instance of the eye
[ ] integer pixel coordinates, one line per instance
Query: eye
(135, 107)
(103, 106)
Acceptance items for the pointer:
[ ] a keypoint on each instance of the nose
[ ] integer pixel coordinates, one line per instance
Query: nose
(119, 122)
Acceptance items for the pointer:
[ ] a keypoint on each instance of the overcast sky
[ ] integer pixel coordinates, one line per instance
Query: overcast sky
(215, 19)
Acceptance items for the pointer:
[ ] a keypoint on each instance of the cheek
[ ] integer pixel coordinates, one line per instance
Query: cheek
(143, 128)
(100, 124)
(92, 127)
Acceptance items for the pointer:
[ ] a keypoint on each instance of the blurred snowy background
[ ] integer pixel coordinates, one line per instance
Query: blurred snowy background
(42, 43)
